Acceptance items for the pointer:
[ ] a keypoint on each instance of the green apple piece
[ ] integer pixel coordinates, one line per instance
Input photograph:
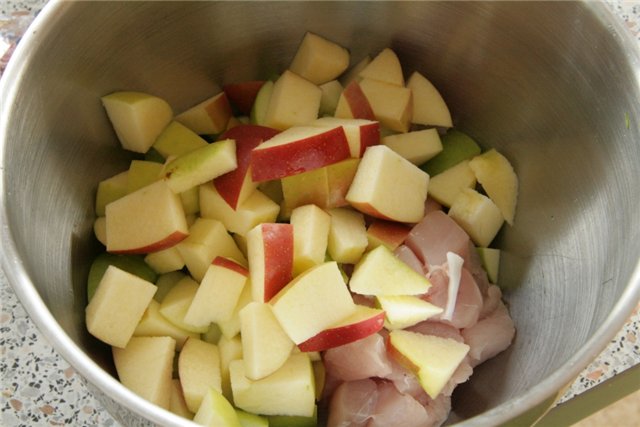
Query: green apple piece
(165, 282)
(330, 95)
(117, 306)
(380, 273)
(403, 311)
(209, 116)
(319, 60)
(293, 421)
(230, 350)
(260, 330)
(133, 264)
(154, 324)
(199, 371)
(152, 155)
(429, 107)
(391, 104)
(256, 209)
(384, 67)
(288, 391)
(347, 235)
(251, 420)
(499, 181)
(216, 411)
(177, 405)
(490, 259)
(310, 237)
(138, 118)
(201, 165)
(294, 101)
(388, 186)
(165, 260)
(175, 304)
(477, 215)
(142, 173)
(260, 105)
(312, 302)
(177, 139)
(191, 200)
(218, 293)
(147, 220)
(144, 366)
(445, 187)
(231, 328)
(100, 230)
(213, 334)
(433, 359)
(111, 189)
(456, 147)
(417, 147)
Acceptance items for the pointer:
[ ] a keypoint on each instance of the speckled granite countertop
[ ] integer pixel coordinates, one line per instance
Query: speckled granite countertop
(39, 388)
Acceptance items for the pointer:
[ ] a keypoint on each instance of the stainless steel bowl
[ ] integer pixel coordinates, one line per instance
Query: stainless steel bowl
(554, 86)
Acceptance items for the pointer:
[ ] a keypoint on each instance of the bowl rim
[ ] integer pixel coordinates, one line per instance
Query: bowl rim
(28, 296)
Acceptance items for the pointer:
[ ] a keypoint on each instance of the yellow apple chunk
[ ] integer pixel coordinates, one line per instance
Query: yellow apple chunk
(144, 366)
(388, 186)
(403, 311)
(175, 304)
(138, 118)
(142, 173)
(496, 175)
(166, 282)
(215, 410)
(385, 67)
(147, 220)
(319, 60)
(256, 209)
(330, 95)
(445, 187)
(199, 370)
(288, 391)
(165, 261)
(428, 106)
(312, 302)
(100, 230)
(310, 237)
(176, 140)
(209, 117)
(294, 101)
(111, 189)
(347, 235)
(231, 328)
(417, 147)
(177, 405)
(117, 306)
(353, 74)
(477, 215)
(230, 349)
(259, 331)
(154, 324)
(391, 104)
(433, 358)
(380, 273)
(218, 293)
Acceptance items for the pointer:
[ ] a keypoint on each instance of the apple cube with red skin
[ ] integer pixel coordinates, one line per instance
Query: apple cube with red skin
(293, 102)
(433, 359)
(387, 186)
(138, 118)
(312, 302)
(199, 370)
(209, 117)
(147, 220)
(428, 106)
(360, 133)
(297, 150)
(363, 322)
(243, 94)
(270, 253)
(218, 293)
(353, 103)
(117, 306)
(388, 233)
(391, 104)
(385, 67)
(237, 185)
(319, 60)
(260, 330)
(144, 366)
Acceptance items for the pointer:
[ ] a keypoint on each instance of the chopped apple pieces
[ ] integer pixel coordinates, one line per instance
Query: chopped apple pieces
(319, 60)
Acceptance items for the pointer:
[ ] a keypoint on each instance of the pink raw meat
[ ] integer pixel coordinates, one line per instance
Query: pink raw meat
(406, 255)
(352, 404)
(490, 336)
(358, 360)
(436, 235)
(396, 409)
